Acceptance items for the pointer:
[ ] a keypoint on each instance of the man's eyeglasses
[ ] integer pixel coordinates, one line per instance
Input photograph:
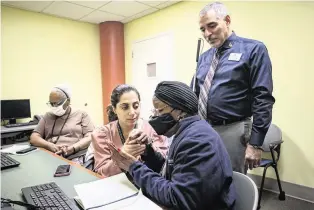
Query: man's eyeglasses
(56, 104)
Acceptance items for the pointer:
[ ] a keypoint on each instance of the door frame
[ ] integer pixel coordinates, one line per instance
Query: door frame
(154, 36)
(170, 37)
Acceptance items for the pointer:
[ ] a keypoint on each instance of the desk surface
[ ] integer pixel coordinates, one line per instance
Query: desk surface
(36, 168)
(17, 129)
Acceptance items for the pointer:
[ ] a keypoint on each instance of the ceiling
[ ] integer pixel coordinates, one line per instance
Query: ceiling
(93, 11)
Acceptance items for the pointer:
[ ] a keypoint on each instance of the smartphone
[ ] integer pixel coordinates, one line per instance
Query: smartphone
(63, 170)
(23, 151)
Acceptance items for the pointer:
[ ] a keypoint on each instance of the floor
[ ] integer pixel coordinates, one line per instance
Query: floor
(270, 201)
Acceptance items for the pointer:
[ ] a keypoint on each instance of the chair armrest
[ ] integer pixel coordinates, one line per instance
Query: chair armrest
(78, 154)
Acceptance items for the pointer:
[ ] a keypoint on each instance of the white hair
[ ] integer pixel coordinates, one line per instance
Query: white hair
(219, 8)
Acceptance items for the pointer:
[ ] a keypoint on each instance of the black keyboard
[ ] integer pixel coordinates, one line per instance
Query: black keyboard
(21, 124)
(48, 196)
(8, 162)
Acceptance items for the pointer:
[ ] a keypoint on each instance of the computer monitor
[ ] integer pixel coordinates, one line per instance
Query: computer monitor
(15, 109)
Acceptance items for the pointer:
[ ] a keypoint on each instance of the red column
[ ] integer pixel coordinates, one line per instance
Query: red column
(112, 59)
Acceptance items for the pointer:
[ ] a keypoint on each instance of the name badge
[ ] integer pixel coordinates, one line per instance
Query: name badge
(234, 56)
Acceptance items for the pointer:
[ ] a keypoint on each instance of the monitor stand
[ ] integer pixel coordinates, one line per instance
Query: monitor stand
(12, 121)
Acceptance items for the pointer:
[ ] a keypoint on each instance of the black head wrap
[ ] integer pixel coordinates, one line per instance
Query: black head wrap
(177, 95)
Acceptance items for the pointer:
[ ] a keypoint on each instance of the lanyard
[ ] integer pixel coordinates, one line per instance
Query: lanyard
(53, 127)
(121, 132)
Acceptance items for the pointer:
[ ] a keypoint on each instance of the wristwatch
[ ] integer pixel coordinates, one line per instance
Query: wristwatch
(257, 147)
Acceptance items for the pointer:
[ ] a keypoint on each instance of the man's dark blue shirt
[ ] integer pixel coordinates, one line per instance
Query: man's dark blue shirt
(242, 85)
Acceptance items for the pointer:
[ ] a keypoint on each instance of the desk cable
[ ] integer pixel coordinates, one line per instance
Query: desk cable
(27, 205)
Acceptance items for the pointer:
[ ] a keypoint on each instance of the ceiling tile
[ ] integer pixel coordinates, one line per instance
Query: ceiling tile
(125, 8)
(127, 20)
(91, 4)
(36, 6)
(99, 16)
(152, 3)
(141, 14)
(68, 10)
(166, 4)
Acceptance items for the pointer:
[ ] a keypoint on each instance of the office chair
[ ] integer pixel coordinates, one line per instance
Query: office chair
(246, 191)
(77, 154)
(89, 164)
(272, 144)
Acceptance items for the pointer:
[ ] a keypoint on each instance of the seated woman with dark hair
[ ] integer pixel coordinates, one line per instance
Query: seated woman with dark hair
(197, 172)
(124, 114)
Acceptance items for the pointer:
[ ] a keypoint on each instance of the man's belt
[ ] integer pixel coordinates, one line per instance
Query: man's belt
(226, 122)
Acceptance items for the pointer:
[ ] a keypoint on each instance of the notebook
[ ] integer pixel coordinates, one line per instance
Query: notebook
(103, 192)
(137, 202)
(78, 202)
(140, 202)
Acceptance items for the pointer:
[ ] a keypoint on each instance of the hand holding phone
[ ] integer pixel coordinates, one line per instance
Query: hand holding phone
(122, 159)
(63, 170)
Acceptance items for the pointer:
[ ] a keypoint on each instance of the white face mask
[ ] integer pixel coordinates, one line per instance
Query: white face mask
(58, 111)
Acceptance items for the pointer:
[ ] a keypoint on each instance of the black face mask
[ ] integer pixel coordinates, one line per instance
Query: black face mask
(163, 123)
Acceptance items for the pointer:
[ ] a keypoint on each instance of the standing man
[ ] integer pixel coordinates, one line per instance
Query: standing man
(234, 83)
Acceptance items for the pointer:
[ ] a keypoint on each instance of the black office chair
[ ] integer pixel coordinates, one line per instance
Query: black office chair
(89, 164)
(89, 160)
(272, 144)
(77, 154)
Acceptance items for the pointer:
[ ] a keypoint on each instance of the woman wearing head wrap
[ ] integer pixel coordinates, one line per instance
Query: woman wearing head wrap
(63, 130)
(197, 172)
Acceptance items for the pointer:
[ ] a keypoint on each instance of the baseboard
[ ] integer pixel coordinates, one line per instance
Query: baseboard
(292, 190)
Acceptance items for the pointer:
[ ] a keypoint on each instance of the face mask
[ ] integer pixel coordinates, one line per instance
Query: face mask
(58, 111)
(163, 123)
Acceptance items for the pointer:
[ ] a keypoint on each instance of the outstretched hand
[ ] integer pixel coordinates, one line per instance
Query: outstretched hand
(121, 158)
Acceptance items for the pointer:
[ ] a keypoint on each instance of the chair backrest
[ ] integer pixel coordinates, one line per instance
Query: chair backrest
(273, 137)
(246, 190)
(89, 164)
(89, 160)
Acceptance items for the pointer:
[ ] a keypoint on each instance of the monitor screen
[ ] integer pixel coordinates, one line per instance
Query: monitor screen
(15, 109)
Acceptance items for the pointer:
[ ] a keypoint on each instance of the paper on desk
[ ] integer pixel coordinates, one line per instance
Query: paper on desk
(102, 192)
(13, 149)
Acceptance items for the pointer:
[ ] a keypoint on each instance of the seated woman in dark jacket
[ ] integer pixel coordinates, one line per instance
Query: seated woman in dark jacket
(197, 172)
